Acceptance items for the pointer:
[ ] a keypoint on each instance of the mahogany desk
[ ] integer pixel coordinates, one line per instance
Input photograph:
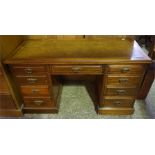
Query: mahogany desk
(117, 66)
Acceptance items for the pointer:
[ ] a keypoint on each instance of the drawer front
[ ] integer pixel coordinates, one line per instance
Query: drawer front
(29, 70)
(121, 91)
(76, 69)
(118, 103)
(38, 102)
(35, 90)
(123, 80)
(32, 80)
(126, 69)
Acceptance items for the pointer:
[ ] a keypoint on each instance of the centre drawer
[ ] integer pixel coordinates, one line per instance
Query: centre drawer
(76, 69)
(37, 102)
(29, 70)
(123, 80)
(31, 80)
(38, 90)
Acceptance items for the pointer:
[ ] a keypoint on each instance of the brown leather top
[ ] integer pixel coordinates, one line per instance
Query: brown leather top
(105, 50)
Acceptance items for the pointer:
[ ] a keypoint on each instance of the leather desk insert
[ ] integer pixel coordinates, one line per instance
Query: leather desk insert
(118, 65)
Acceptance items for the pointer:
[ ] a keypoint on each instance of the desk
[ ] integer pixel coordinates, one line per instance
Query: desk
(116, 65)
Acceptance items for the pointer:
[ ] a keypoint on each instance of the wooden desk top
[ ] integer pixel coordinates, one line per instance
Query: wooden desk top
(81, 51)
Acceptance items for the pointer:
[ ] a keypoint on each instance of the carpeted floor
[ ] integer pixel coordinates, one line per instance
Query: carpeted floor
(76, 104)
(151, 101)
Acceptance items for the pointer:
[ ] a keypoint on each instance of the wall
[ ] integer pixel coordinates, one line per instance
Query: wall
(53, 36)
(74, 36)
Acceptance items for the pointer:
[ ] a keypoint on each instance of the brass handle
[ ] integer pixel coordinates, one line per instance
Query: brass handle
(123, 80)
(120, 91)
(31, 80)
(125, 69)
(28, 70)
(38, 102)
(35, 90)
(117, 103)
(76, 69)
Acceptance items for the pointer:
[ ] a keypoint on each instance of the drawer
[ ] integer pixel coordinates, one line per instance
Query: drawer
(6, 102)
(39, 90)
(126, 81)
(121, 91)
(29, 70)
(126, 69)
(31, 80)
(118, 102)
(37, 102)
(76, 69)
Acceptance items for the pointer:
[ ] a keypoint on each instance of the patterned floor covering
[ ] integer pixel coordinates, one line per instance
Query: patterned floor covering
(151, 101)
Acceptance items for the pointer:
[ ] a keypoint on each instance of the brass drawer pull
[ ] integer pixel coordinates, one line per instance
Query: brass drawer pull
(35, 91)
(121, 92)
(38, 102)
(31, 80)
(117, 103)
(125, 69)
(123, 80)
(28, 70)
(76, 69)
